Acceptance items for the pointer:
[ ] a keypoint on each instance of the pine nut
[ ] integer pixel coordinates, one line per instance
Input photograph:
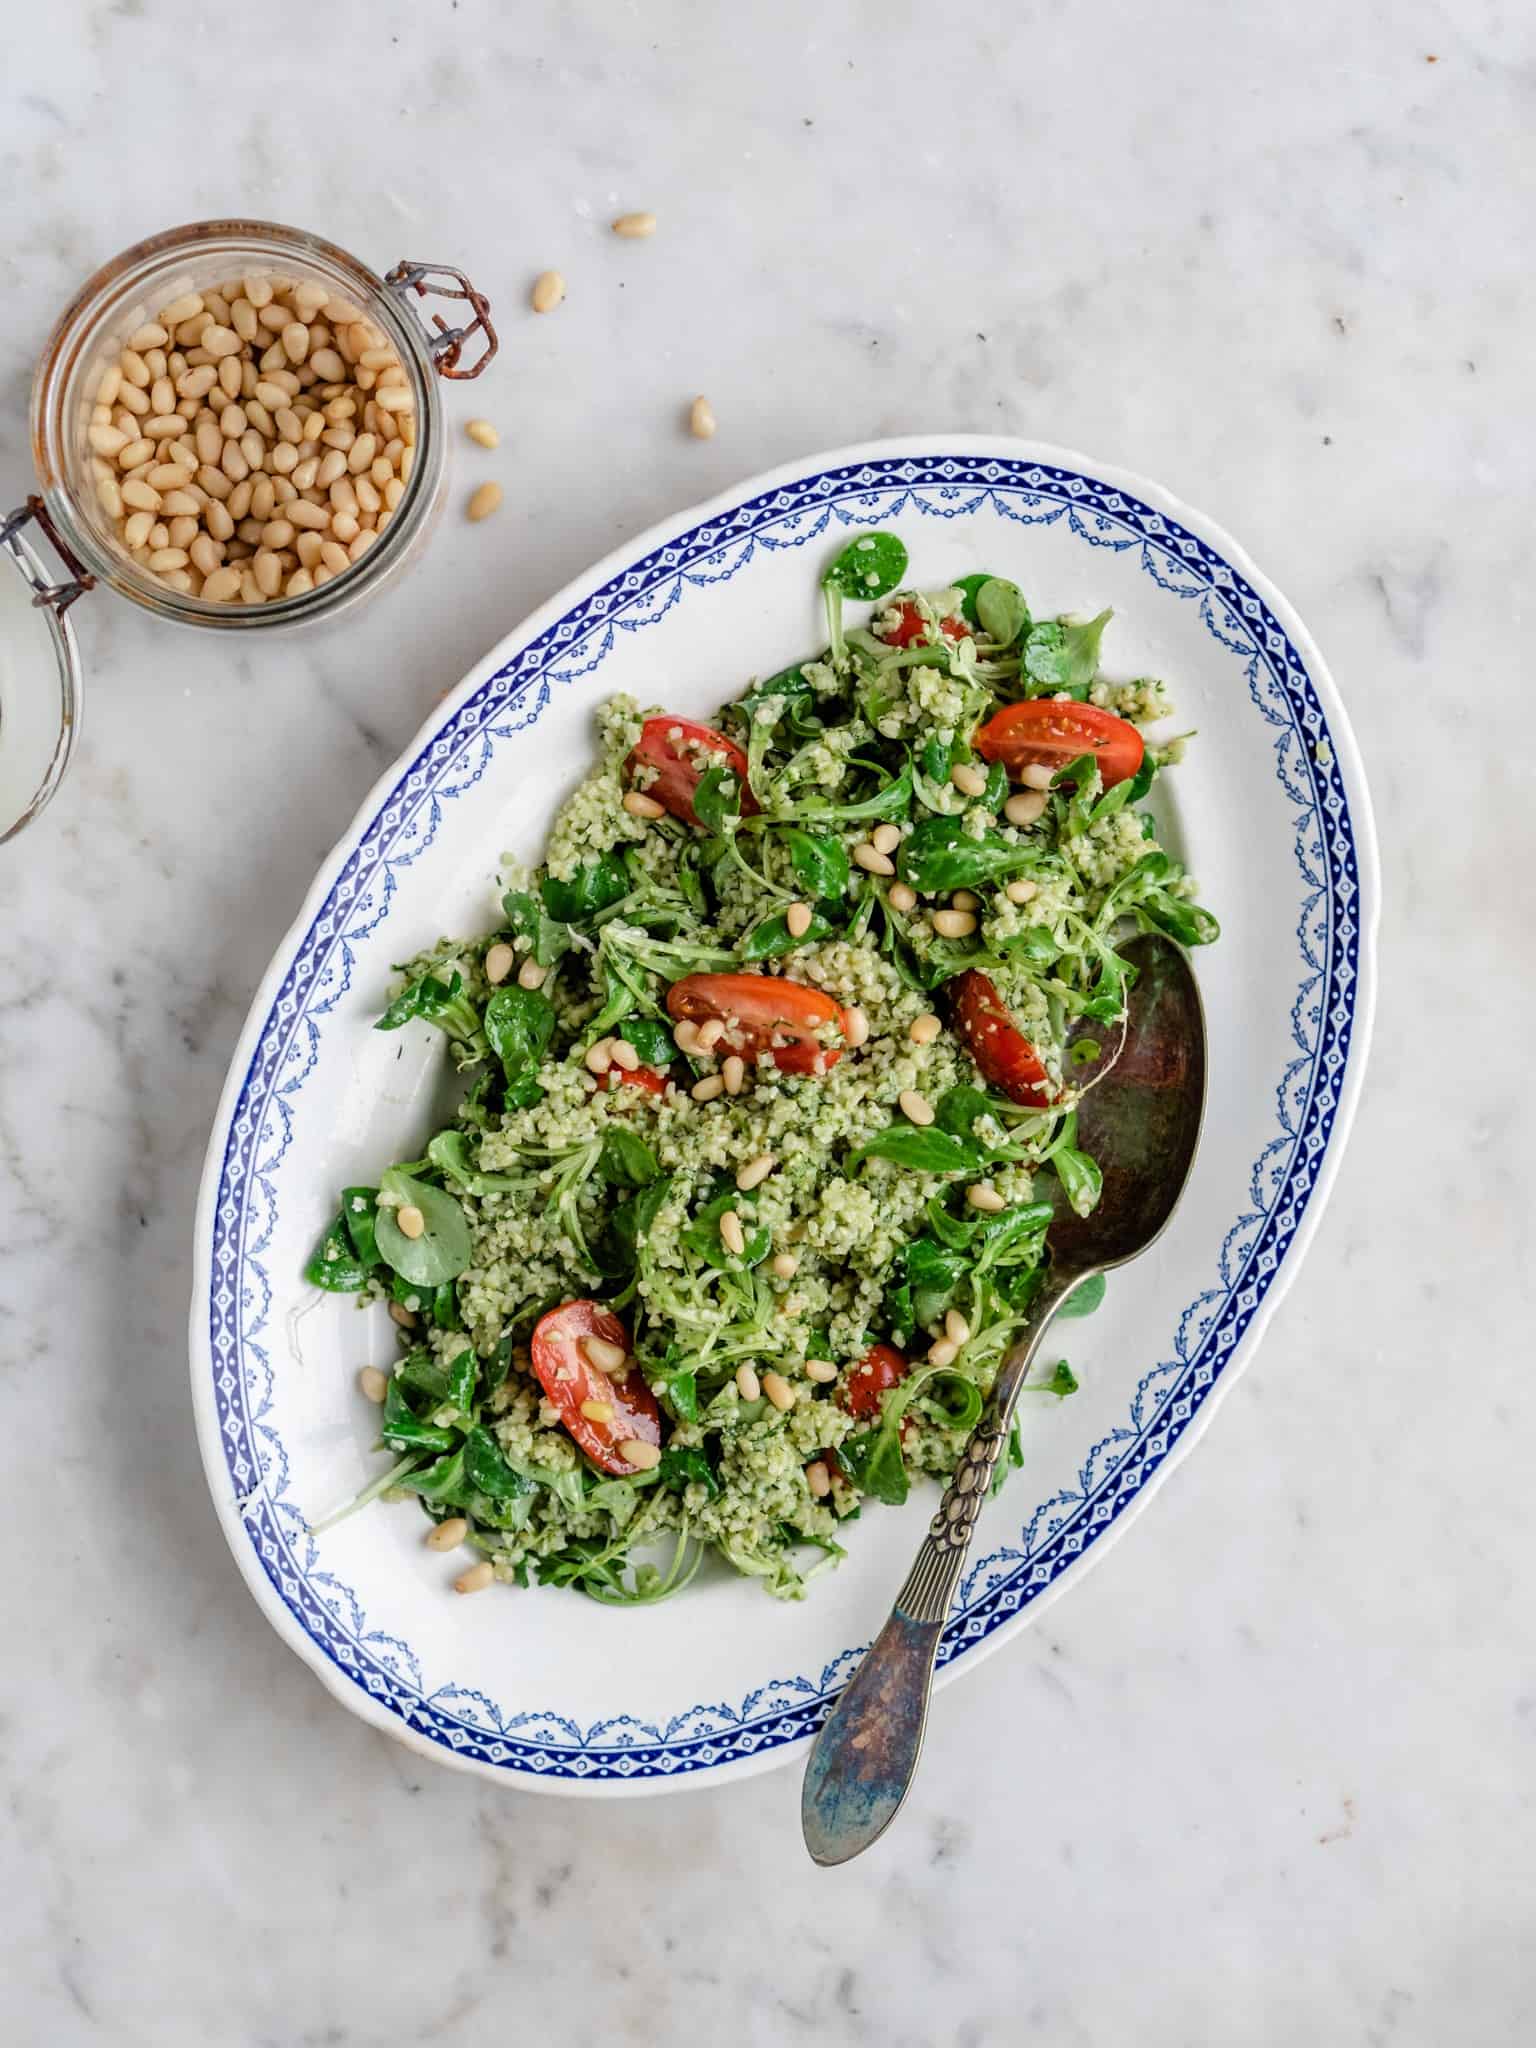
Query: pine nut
(822, 1370)
(268, 572)
(733, 1071)
(915, 1108)
(623, 1054)
(701, 420)
(797, 920)
(548, 291)
(308, 547)
(925, 1029)
(635, 226)
(345, 527)
(597, 1411)
(131, 400)
(779, 1391)
(956, 1328)
(136, 529)
(410, 1219)
(954, 924)
(395, 398)
(900, 897)
(872, 860)
(110, 496)
(964, 899)
(708, 1089)
(1036, 775)
(484, 501)
(110, 385)
(220, 341)
(167, 558)
(498, 962)
(732, 1235)
(299, 584)
(531, 974)
(968, 778)
(106, 440)
(943, 1351)
(481, 432)
(1027, 808)
(685, 1036)
(232, 376)
(639, 805)
(855, 1027)
(710, 1033)
(222, 585)
(885, 838)
(786, 1266)
(597, 1056)
(140, 496)
(206, 554)
(747, 1384)
(372, 1384)
(398, 1312)
(150, 335)
(448, 1534)
(982, 1195)
(325, 362)
(608, 1358)
(477, 1578)
(302, 513)
(756, 1171)
(818, 1479)
(135, 455)
(642, 1457)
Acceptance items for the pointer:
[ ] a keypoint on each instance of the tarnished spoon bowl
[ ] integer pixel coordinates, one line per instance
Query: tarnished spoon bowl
(1141, 1121)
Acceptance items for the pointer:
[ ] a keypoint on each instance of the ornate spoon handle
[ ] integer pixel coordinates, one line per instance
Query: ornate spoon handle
(866, 1754)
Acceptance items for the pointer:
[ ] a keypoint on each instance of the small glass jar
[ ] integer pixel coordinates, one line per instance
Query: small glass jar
(123, 296)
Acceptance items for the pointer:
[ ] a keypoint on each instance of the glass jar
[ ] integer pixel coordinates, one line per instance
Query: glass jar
(89, 338)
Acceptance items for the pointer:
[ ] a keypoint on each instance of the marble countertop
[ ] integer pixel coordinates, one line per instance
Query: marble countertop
(1266, 1776)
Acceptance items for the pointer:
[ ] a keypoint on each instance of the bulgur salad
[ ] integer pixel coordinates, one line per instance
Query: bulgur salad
(770, 1080)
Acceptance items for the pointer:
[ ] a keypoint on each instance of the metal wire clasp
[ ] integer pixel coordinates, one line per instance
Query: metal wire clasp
(57, 596)
(447, 344)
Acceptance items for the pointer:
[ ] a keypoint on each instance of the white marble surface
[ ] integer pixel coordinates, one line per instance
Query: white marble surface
(1267, 1776)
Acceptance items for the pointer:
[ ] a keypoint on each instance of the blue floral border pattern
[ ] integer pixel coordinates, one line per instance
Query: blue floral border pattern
(467, 1723)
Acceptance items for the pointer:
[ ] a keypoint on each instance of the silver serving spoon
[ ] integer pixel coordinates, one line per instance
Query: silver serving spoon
(1141, 1122)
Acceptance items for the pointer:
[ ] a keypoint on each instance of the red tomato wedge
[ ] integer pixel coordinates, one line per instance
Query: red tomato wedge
(669, 748)
(910, 625)
(569, 1379)
(647, 1078)
(1050, 734)
(862, 1391)
(763, 1013)
(1005, 1056)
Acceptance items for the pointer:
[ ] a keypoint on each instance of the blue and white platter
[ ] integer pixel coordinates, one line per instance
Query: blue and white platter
(1271, 812)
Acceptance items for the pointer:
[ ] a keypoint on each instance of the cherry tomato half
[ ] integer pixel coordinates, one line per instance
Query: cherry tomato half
(670, 749)
(865, 1387)
(1005, 1056)
(910, 625)
(1052, 734)
(569, 1379)
(613, 1076)
(763, 1013)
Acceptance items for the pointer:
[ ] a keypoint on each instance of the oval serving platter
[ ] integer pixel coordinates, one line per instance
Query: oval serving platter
(1270, 811)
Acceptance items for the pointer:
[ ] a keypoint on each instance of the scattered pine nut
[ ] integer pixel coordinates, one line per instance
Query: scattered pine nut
(1027, 808)
(707, 1089)
(449, 1534)
(623, 1054)
(484, 501)
(531, 974)
(597, 1056)
(709, 1034)
(818, 1479)
(498, 962)
(483, 434)
(372, 1384)
(639, 805)
(641, 1457)
(685, 1036)
(733, 1072)
(822, 1370)
(399, 1313)
(1036, 775)
(968, 778)
(855, 1027)
(548, 291)
(605, 1355)
(476, 1579)
(915, 1108)
(956, 1328)
(597, 1411)
(925, 1029)
(755, 1172)
(900, 897)
(954, 924)
(885, 838)
(786, 1265)
(779, 1391)
(747, 1383)
(732, 1235)
(797, 920)
(701, 420)
(410, 1219)
(943, 1351)
(982, 1195)
(964, 899)
(872, 860)
(1021, 890)
(634, 227)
